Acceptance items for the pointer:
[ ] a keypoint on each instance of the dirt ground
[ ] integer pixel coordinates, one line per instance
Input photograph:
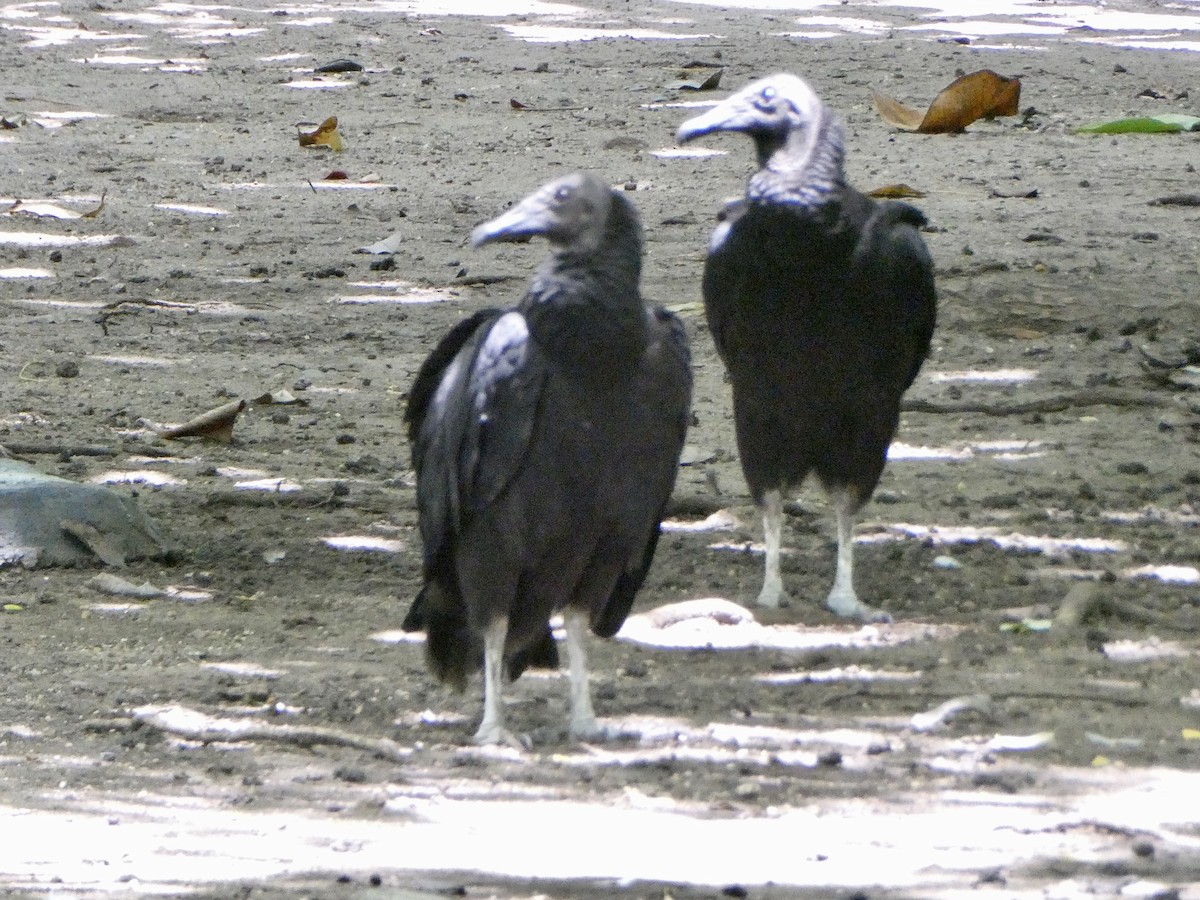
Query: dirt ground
(777, 759)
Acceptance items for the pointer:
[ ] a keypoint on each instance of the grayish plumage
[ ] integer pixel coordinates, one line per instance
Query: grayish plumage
(546, 440)
(821, 302)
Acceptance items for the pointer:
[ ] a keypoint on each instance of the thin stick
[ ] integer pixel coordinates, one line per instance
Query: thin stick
(194, 725)
(1059, 403)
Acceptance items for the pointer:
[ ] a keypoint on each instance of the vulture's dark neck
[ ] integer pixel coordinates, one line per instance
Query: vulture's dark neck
(802, 167)
(584, 306)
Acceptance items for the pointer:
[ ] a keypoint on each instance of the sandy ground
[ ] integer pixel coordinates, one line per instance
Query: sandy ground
(1050, 449)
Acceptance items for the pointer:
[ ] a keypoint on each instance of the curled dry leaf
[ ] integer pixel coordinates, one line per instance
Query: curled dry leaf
(93, 213)
(940, 715)
(896, 192)
(978, 95)
(705, 79)
(326, 135)
(214, 425)
(106, 546)
(386, 247)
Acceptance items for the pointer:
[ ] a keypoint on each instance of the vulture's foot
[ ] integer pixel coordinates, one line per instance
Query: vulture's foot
(847, 605)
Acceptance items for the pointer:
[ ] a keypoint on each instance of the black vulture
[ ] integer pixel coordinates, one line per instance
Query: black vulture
(546, 441)
(821, 303)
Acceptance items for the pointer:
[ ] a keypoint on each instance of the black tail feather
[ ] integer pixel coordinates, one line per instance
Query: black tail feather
(541, 655)
(454, 652)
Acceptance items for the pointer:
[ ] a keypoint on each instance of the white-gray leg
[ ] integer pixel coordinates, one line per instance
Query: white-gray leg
(843, 599)
(772, 593)
(583, 718)
(491, 729)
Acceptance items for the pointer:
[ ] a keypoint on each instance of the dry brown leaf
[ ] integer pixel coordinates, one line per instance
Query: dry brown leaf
(103, 545)
(214, 425)
(92, 213)
(896, 113)
(896, 192)
(701, 79)
(326, 135)
(978, 95)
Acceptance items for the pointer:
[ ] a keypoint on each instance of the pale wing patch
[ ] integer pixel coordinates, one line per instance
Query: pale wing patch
(502, 353)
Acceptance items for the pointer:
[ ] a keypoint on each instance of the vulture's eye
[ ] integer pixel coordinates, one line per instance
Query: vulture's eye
(766, 99)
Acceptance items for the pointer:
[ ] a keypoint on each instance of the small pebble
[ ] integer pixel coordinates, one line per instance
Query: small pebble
(747, 790)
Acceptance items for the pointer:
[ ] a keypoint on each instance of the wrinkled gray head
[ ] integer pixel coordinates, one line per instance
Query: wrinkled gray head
(794, 133)
(571, 212)
(771, 106)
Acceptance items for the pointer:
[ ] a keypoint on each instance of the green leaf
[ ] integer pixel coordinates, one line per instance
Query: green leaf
(1136, 125)
(13, 607)
(1184, 121)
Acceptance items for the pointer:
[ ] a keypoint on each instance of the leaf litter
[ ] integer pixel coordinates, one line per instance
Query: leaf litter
(325, 135)
(978, 95)
(214, 425)
(1164, 123)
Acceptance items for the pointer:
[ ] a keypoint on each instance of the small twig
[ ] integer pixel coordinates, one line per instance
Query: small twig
(95, 212)
(920, 693)
(389, 503)
(481, 279)
(1128, 611)
(521, 107)
(147, 301)
(1087, 600)
(193, 725)
(59, 450)
(1059, 403)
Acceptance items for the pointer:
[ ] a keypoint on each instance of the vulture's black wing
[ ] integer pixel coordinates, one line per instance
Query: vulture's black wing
(673, 358)
(471, 413)
(429, 376)
(893, 263)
